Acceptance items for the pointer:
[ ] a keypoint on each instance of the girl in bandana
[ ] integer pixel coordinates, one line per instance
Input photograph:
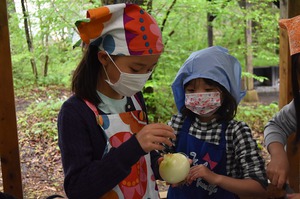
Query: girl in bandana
(225, 157)
(287, 120)
(108, 148)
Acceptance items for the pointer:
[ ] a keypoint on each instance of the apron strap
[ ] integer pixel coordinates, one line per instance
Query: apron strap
(95, 110)
(92, 107)
(138, 101)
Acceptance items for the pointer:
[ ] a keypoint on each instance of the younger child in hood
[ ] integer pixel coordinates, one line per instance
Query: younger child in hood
(225, 158)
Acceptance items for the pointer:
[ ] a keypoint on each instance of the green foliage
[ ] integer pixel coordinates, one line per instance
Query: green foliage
(231, 18)
(184, 31)
(258, 78)
(256, 115)
(52, 28)
(160, 103)
(37, 110)
(40, 119)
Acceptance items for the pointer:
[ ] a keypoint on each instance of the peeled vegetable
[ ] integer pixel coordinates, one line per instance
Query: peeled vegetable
(174, 168)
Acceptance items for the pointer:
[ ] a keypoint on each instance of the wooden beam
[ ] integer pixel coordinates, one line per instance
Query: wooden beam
(9, 148)
(285, 82)
(293, 8)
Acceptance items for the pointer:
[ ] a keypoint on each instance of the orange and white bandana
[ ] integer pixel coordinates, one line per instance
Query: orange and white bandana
(292, 26)
(121, 29)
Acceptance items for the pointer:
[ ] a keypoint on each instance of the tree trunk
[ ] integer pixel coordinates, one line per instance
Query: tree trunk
(166, 19)
(210, 18)
(249, 55)
(251, 95)
(28, 36)
(210, 33)
(46, 65)
(44, 39)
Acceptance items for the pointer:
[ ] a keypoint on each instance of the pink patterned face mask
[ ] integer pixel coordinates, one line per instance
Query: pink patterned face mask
(203, 104)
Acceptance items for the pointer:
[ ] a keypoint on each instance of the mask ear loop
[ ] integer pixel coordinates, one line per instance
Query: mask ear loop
(106, 73)
(113, 62)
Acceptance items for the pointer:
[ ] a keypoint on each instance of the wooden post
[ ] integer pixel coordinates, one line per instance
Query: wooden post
(285, 89)
(285, 82)
(9, 148)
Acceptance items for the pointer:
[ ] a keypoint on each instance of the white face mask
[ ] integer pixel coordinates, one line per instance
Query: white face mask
(204, 104)
(128, 84)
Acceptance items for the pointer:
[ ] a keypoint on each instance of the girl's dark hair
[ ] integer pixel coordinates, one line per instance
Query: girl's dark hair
(85, 76)
(228, 109)
(295, 87)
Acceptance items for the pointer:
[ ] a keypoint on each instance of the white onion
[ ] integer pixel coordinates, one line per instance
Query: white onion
(174, 168)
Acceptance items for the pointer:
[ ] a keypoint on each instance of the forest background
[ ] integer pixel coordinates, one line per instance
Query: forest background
(42, 36)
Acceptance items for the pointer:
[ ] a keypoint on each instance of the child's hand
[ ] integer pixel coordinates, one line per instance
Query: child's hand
(201, 171)
(278, 167)
(152, 136)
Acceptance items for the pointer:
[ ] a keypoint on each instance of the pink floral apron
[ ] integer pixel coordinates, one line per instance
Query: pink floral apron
(118, 128)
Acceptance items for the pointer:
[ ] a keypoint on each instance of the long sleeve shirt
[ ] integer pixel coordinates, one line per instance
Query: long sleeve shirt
(281, 125)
